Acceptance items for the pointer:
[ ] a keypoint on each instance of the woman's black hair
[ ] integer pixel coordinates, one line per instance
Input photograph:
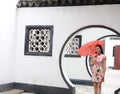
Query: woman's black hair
(101, 49)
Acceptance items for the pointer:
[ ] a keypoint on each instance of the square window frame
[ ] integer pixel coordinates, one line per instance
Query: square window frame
(26, 46)
(80, 42)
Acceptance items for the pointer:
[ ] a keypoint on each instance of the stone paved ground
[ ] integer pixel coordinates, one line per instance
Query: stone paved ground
(112, 82)
(82, 89)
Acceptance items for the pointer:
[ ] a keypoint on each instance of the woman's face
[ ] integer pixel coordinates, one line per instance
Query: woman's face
(98, 51)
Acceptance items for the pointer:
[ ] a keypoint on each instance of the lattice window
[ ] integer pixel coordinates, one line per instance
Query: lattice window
(38, 40)
(73, 46)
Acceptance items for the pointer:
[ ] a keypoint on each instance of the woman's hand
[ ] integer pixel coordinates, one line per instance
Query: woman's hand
(93, 60)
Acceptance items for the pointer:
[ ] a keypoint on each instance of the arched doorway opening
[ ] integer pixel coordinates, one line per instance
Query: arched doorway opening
(75, 68)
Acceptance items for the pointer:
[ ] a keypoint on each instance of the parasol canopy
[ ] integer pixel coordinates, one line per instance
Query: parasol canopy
(89, 48)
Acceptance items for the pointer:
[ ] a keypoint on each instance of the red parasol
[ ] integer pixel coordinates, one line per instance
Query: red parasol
(89, 48)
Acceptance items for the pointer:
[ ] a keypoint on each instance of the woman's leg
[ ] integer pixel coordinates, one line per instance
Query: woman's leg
(99, 88)
(95, 87)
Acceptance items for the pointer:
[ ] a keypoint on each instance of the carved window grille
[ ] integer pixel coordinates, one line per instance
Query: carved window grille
(73, 46)
(38, 40)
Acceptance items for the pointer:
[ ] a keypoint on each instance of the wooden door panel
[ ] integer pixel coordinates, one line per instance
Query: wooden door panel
(117, 57)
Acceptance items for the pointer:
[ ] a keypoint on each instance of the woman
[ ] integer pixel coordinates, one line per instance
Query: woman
(98, 60)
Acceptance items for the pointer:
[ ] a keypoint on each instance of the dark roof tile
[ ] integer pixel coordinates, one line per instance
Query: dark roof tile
(46, 3)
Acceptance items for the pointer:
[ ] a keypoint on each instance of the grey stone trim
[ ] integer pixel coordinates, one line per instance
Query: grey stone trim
(37, 89)
(82, 82)
(48, 3)
(5, 87)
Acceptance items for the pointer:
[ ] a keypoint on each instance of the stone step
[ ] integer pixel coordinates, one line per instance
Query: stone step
(13, 91)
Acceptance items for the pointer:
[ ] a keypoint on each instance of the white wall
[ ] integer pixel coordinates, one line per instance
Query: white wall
(15, 67)
(45, 70)
(38, 70)
(7, 40)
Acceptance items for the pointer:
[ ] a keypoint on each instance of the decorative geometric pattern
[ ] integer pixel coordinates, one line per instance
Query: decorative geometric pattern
(73, 46)
(115, 38)
(38, 40)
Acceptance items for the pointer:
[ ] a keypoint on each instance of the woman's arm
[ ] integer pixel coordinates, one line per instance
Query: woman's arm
(92, 61)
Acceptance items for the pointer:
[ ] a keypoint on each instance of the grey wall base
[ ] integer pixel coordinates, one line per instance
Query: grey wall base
(36, 88)
(82, 82)
(5, 87)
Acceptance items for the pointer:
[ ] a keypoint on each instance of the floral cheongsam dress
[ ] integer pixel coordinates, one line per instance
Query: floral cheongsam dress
(97, 69)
